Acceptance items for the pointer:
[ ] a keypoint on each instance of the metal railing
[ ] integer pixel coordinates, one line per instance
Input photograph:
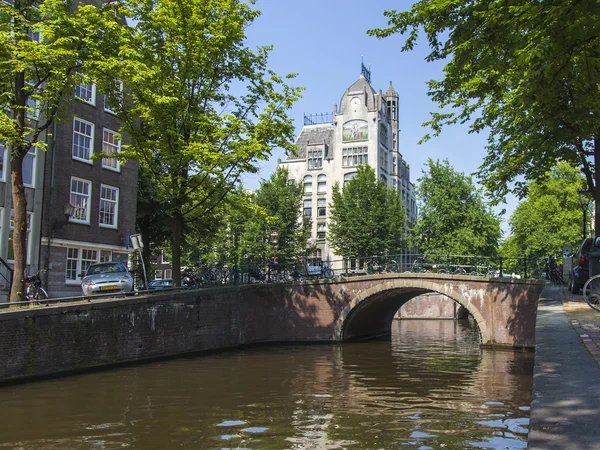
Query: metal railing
(318, 119)
(313, 269)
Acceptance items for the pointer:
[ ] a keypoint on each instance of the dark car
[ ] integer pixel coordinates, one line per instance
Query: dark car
(580, 271)
(156, 285)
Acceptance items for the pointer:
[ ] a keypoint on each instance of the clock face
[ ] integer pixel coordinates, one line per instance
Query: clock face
(355, 102)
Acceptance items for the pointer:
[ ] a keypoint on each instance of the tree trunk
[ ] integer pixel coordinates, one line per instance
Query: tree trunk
(17, 155)
(17, 293)
(176, 240)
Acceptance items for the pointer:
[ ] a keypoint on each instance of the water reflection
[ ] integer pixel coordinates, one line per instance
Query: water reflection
(429, 386)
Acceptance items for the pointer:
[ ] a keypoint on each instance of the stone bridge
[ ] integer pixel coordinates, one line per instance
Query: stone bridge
(364, 307)
(64, 338)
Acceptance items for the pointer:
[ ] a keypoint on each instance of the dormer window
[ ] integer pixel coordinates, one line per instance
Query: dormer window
(315, 158)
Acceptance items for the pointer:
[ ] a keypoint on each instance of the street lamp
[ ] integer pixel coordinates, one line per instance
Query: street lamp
(584, 201)
(274, 242)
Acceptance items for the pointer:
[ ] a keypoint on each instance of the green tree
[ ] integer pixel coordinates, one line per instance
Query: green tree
(44, 46)
(528, 72)
(205, 109)
(549, 218)
(453, 218)
(367, 217)
(279, 200)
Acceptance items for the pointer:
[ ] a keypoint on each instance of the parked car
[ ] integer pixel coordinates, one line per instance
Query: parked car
(580, 270)
(106, 277)
(155, 285)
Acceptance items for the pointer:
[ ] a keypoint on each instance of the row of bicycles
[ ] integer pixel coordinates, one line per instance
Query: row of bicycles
(212, 275)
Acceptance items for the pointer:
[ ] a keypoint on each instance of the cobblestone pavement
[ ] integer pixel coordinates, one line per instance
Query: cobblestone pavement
(585, 320)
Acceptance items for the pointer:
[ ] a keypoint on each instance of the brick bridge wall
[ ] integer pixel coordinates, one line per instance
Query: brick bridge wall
(65, 338)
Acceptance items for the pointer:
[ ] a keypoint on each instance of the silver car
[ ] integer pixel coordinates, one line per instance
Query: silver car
(105, 278)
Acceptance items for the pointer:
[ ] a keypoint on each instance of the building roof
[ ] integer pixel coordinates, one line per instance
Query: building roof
(312, 135)
(358, 87)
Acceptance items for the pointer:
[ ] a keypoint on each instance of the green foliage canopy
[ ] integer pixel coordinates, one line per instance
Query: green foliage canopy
(453, 218)
(549, 218)
(45, 45)
(526, 71)
(367, 218)
(202, 108)
(280, 201)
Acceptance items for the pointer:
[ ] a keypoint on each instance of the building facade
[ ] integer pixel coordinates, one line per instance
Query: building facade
(363, 130)
(89, 201)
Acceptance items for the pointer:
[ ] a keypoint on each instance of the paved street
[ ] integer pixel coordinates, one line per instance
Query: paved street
(566, 388)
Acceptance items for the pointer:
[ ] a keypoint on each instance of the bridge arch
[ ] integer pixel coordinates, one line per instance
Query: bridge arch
(371, 311)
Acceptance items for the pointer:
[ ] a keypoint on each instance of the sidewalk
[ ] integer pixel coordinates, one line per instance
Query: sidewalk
(565, 410)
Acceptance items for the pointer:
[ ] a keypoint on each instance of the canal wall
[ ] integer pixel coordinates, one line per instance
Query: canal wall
(51, 340)
(430, 306)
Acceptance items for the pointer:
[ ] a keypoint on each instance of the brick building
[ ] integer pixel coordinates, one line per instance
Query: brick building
(101, 192)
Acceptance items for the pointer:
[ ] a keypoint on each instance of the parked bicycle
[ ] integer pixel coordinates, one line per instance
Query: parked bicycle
(419, 265)
(306, 271)
(591, 292)
(34, 291)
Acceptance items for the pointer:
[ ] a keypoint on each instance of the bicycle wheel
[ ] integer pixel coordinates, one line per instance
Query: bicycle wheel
(392, 267)
(41, 294)
(591, 292)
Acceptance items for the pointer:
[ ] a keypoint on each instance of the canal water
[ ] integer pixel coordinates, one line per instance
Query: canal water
(429, 387)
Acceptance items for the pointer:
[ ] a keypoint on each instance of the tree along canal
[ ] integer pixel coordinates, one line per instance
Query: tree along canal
(431, 386)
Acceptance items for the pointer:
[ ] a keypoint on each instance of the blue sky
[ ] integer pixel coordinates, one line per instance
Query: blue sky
(323, 41)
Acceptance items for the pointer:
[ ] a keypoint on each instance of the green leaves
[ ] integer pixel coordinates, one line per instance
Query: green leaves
(367, 217)
(550, 217)
(453, 218)
(525, 72)
(202, 108)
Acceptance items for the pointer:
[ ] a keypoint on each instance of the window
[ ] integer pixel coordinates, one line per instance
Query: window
(10, 255)
(348, 177)
(164, 259)
(105, 256)
(114, 97)
(321, 184)
(80, 199)
(316, 254)
(111, 144)
(83, 140)
(168, 273)
(383, 135)
(158, 274)
(85, 91)
(321, 228)
(308, 184)
(2, 159)
(315, 159)
(78, 261)
(308, 208)
(32, 104)
(383, 159)
(321, 207)
(109, 206)
(355, 156)
(29, 168)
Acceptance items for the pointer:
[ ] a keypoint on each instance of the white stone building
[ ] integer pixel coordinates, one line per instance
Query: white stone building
(364, 130)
